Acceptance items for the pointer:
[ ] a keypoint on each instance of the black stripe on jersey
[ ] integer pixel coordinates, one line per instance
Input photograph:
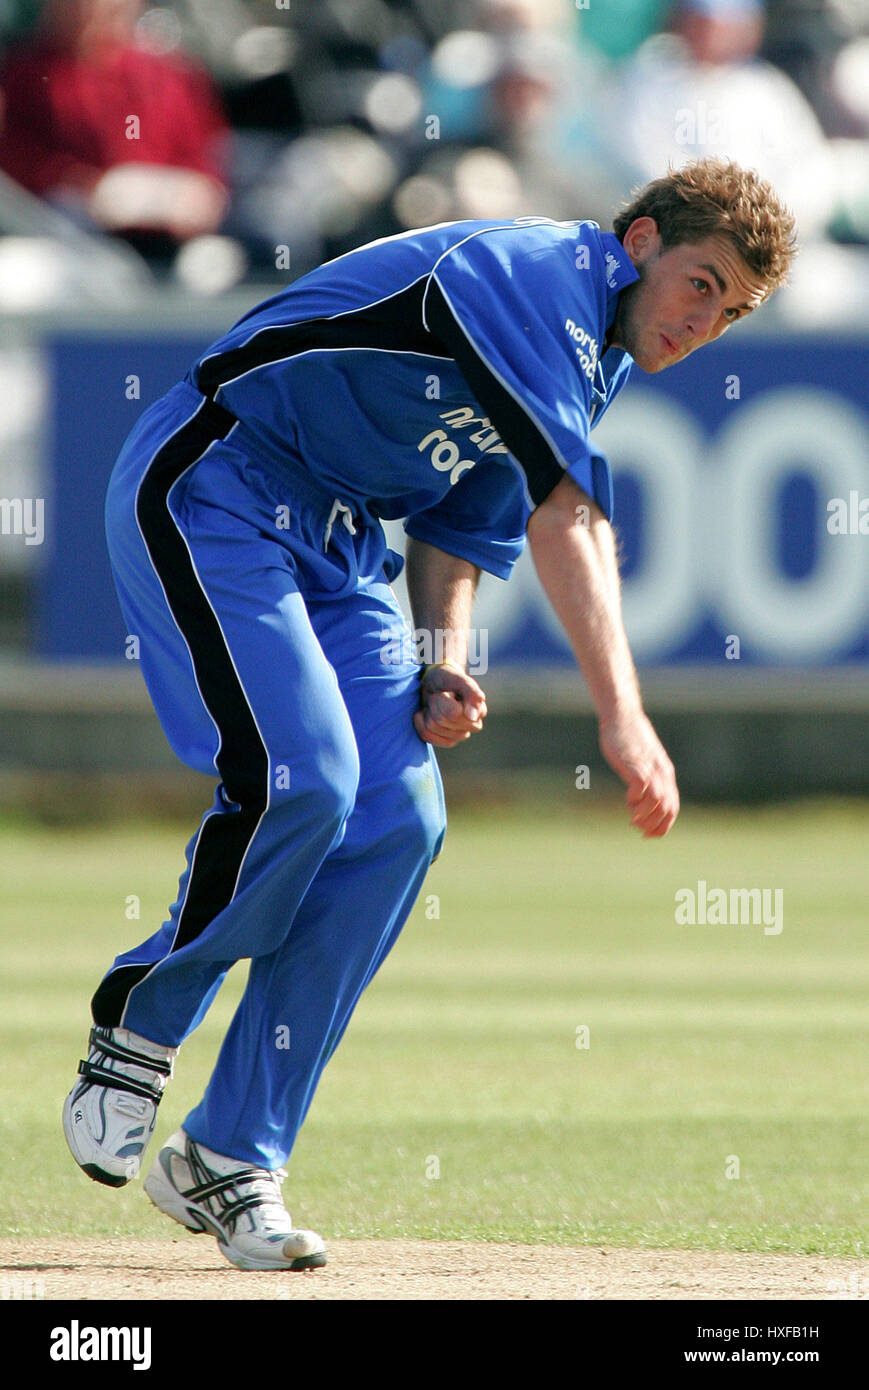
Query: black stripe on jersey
(242, 759)
(519, 431)
(394, 324)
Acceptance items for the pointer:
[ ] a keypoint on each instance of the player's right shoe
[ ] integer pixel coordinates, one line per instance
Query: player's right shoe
(110, 1113)
(237, 1202)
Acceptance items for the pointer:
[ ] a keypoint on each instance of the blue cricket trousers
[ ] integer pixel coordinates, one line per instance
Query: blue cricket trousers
(264, 610)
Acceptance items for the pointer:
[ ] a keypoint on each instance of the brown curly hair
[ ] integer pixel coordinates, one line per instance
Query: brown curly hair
(713, 197)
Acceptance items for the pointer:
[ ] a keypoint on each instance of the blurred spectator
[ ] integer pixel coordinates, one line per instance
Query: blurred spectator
(319, 103)
(822, 45)
(489, 95)
(702, 90)
(618, 27)
(336, 121)
(123, 138)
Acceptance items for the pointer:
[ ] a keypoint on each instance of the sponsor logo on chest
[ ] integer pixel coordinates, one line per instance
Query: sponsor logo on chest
(445, 453)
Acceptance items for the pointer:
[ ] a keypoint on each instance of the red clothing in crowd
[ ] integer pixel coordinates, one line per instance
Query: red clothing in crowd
(67, 119)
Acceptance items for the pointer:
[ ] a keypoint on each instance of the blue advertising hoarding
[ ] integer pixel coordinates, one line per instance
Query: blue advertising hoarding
(740, 479)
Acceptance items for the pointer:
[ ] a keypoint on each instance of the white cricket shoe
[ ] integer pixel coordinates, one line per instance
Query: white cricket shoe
(109, 1115)
(239, 1204)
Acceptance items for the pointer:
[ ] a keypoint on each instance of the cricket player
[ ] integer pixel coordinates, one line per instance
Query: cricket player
(450, 376)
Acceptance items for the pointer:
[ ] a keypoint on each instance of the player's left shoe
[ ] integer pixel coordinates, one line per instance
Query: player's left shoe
(237, 1203)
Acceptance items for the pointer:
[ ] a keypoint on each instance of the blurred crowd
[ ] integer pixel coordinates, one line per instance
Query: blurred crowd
(229, 140)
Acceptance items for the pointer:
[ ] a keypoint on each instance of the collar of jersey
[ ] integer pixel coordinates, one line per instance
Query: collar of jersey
(621, 271)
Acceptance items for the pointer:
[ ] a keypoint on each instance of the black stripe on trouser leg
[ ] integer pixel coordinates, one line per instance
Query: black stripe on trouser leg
(242, 760)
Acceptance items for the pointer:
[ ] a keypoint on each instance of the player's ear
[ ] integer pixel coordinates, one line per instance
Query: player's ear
(642, 239)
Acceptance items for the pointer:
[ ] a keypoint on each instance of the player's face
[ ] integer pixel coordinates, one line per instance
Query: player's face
(686, 296)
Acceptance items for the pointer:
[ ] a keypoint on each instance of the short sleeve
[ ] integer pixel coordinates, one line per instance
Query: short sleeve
(521, 313)
(481, 519)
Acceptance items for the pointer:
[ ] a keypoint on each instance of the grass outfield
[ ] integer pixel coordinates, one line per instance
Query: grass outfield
(712, 1049)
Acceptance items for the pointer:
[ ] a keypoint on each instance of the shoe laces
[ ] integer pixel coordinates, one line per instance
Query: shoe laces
(269, 1215)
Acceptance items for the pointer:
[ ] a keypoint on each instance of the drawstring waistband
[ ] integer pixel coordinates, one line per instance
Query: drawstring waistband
(346, 514)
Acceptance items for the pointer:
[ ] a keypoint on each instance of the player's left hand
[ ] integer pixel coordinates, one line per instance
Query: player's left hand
(633, 750)
(452, 706)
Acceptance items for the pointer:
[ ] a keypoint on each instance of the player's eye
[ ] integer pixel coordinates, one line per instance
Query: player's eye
(703, 287)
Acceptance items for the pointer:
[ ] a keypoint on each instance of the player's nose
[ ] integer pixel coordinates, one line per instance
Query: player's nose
(700, 326)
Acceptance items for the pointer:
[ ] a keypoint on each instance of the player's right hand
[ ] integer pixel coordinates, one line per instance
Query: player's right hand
(452, 706)
(634, 751)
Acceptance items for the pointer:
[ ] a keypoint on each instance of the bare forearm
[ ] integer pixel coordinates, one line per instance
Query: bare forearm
(441, 589)
(575, 556)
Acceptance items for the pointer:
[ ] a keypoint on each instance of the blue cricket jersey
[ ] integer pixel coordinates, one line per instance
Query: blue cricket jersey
(448, 375)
